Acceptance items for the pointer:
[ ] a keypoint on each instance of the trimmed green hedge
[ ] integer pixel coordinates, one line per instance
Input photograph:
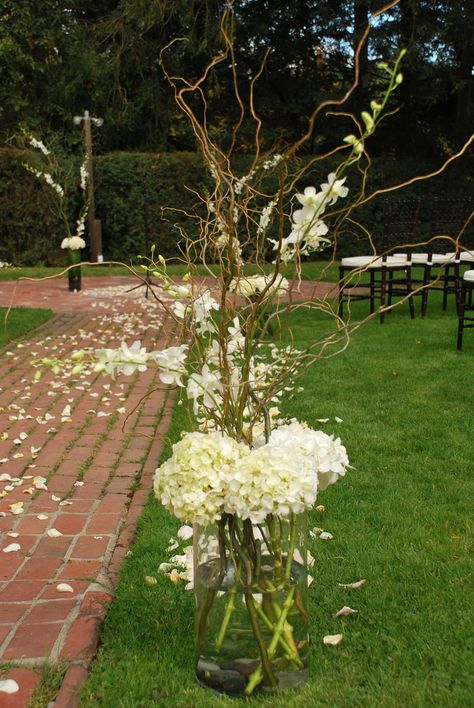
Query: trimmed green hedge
(134, 188)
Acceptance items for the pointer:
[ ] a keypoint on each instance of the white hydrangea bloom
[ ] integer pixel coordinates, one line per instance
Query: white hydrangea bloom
(192, 484)
(326, 453)
(75, 243)
(271, 480)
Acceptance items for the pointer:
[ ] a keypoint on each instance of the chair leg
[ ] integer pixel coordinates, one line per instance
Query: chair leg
(445, 286)
(411, 304)
(424, 294)
(372, 292)
(383, 287)
(340, 294)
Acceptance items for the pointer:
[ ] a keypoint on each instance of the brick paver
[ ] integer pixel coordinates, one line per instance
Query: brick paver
(96, 465)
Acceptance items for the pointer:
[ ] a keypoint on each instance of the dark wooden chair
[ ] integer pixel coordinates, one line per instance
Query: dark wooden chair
(389, 275)
(465, 305)
(442, 270)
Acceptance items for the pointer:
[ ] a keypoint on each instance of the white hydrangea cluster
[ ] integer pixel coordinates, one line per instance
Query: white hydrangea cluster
(75, 243)
(326, 453)
(211, 473)
(192, 484)
(271, 480)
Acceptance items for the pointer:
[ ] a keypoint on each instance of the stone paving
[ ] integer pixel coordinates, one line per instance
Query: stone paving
(77, 455)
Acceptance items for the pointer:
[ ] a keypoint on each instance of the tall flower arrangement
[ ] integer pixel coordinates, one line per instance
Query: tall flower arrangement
(58, 185)
(244, 475)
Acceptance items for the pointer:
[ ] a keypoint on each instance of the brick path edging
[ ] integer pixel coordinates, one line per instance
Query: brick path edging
(85, 630)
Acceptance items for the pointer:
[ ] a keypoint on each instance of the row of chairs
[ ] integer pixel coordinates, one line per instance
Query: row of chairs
(391, 275)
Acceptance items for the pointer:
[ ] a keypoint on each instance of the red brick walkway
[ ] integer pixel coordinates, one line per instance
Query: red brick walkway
(95, 443)
(97, 464)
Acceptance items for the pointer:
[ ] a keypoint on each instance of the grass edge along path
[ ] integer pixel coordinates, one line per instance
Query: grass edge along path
(400, 520)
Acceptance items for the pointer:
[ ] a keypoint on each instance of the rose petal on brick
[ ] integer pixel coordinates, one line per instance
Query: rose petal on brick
(64, 587)
(78, 484)
(330, 640)
(42, 517)
(17, 508)
(5, 477)
(12, 548)
(9, 686)
(54, 533)
(13, 534)
(55, 498)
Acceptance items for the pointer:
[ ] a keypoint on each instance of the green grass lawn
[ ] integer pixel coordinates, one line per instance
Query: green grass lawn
(20, 321)
(401, 519)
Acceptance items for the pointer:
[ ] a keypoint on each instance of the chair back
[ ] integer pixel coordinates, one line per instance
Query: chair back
(400, 220)
(448, 216)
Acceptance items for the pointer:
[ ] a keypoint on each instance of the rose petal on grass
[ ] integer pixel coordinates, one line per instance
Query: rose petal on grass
(326, 536)
(331, 640)
(320, 508)
(353, 586)
(185, 532)
(64, 587)
(345, 611)
(338, 420)
(9, 686)
(150, 580)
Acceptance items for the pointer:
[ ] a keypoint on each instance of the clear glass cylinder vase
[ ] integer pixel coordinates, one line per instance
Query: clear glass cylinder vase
(251, 592)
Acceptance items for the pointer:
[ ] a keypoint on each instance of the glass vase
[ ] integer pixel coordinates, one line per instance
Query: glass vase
(251, 592)
(74, 273)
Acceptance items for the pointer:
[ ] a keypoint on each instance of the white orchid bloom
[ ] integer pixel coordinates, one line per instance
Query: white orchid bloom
(171, 364)
(333, 189)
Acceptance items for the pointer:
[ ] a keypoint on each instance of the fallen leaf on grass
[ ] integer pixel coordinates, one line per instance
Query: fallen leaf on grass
(346, 611)
(330, 640)
(353, 586)
(150, 580)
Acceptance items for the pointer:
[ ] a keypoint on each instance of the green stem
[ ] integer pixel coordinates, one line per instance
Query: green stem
(226, 619)
(264, 669)
(292, 654)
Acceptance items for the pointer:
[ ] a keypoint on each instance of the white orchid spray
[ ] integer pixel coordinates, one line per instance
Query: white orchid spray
(52, 174)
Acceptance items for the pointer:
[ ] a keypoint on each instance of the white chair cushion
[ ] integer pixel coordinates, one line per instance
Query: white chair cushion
(469, 275)
(414, 257)
(373, 262)
(442, 258)
(464, 256)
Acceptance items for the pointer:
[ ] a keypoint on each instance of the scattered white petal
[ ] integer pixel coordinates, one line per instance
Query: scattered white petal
(354, 586)
(320, 508)
(17, 508)
(65, 502)
(9, 686)
(97, 538)
(4, 436)
(338, 420)
(66, 412)
(64, 587)
(332, 639)
(54, 533)
(185, 532)
(326, 536)
(42, 517)
(150, 580)
(12, 548)
(322, 420)
(13, 534)
(5, 477)
(78, 484)
(102, 414)
(55, 498)
(346, 611)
